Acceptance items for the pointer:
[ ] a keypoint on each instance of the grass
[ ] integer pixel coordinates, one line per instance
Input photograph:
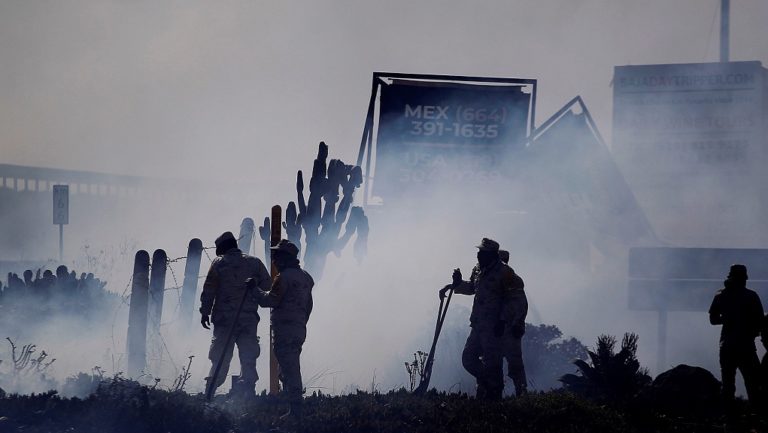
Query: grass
(120, 406)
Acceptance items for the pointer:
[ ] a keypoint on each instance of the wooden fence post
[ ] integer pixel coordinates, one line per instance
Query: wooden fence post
(246, 235)
(189, 287)
(137, 315)
(274, 384)
(156, 293)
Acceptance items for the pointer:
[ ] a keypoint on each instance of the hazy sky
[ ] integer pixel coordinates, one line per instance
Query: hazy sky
(148, 87)
(243, 89)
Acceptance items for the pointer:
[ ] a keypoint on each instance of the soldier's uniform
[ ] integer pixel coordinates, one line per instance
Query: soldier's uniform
(764, 361)
(492, 287)
(290, 298)
(223, 290)
(740, 312)
(517, 311)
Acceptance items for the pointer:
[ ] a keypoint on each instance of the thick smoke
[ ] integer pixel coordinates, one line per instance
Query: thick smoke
(233, 105)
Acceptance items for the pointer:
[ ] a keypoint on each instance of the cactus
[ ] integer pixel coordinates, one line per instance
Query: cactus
(328, 210)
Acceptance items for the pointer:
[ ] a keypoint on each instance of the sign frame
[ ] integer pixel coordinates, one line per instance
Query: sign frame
(381, 78)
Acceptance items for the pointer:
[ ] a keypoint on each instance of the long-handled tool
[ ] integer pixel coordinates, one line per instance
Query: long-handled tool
(210, 387)
(427, 375)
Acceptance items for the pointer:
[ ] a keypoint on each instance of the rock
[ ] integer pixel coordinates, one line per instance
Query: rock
(685, 390)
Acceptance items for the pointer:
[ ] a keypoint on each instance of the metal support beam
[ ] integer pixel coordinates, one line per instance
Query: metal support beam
(274, 383)
(661, 355)
(725, 31)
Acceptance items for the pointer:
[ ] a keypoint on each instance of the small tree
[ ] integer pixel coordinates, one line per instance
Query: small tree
(611, 376)
(547, 355)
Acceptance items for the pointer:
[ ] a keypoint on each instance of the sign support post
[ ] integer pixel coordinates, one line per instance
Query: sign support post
(661, 355)
(61, 242)
(61, 213)
(725, 17)
(274, 384)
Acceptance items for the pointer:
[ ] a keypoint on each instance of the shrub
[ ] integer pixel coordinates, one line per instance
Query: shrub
(610, 376)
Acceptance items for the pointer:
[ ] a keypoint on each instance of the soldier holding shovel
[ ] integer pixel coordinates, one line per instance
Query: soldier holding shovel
(227, 304)
(492, 283)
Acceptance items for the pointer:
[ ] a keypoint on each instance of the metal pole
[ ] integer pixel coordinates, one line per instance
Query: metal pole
(661, 359)
(366, 143)
(61, 243)
(274, 384)
(725, 16)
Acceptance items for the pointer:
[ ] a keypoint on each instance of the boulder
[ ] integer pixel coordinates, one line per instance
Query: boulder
(685, 390)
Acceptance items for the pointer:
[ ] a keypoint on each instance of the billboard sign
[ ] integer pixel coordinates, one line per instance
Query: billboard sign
(688, 137)
(692, 117)
(447, 132)
(686, 279)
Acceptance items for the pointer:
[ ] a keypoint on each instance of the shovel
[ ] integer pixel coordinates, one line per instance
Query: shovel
(427, 375)
(210, 387)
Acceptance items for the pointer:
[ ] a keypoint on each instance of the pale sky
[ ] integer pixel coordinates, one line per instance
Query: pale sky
(244, 89)
(175, 88)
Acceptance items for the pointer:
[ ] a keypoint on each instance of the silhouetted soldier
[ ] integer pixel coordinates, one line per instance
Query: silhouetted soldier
(512, 341)
(290, 298)
(223, 290)
(740, 312)
(764, 362)
(492, 283)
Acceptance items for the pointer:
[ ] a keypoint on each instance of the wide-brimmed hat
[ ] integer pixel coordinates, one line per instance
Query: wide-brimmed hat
(488, 245)
(504, 256)
(286, 246)
(738, 272)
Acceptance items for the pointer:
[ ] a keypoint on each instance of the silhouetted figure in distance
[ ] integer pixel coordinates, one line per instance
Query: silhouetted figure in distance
(764, 362)
(740, 312)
